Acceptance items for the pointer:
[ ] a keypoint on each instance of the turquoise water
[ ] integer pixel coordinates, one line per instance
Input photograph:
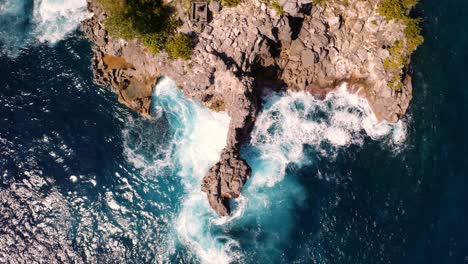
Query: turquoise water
(83, 179)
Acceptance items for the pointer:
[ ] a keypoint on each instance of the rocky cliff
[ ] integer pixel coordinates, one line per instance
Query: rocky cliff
(248, 48)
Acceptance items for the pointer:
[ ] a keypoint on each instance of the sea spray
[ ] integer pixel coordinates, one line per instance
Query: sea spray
(293, 120)
(292, 131)
(192, 142)
(14, 25)
(46, 21)
(288, 124)
(54, 19)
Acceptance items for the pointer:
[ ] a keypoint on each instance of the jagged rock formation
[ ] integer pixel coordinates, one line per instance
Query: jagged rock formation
(341, 43)
(246, 49)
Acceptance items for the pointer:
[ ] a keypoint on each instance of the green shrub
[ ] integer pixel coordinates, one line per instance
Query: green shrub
(154, 42)
(230, 3)
(179, 46)
(408, 4)
(397, 58)
(400, 9)
(400, 51)
(394, 62)
(319, 2)
(391, 9)
(395, 83)
(413, 34)
(277, 7)
(119, 26)
(148, 20)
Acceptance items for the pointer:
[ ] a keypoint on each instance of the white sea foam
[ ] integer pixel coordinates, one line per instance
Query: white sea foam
(55, 19)
(73, 178)
(236, 213)
(295, 119)
(11, 7)
(202, 137)
(288, 123)
(197, 139)
(47, 21)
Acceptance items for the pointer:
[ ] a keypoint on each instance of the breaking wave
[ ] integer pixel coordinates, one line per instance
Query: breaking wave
(292, 130)
(193, 142)
(54, 19)
(295, 130)
(46, 21)
(290, 122)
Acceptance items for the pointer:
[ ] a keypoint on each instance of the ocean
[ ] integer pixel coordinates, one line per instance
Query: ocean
(86, 180)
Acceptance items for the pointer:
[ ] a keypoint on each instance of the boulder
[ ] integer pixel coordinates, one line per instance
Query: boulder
(214, 7)
(291, 8)
(308, 58)
(224, 181)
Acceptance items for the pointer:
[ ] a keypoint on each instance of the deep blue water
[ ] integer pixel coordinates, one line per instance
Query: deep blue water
(83, 179)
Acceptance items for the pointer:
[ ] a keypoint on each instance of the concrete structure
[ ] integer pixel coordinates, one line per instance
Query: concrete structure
(199, 12)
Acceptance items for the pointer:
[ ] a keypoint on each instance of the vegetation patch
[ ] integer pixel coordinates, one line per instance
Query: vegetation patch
(324, 2)
(274, 4)
(277, 7)
(395, 82)
(397, 57)
(230, 3)
(151, 21)
(179, 47)
(218, 105)
(401, 50)
(413, 34)
(319, 2)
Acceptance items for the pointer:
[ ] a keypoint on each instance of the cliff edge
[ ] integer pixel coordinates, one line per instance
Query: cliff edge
(243, 50)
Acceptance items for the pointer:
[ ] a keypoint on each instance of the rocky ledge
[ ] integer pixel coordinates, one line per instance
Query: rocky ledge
(248, 48)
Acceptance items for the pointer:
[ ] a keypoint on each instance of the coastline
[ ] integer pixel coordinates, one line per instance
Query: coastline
(248, 48)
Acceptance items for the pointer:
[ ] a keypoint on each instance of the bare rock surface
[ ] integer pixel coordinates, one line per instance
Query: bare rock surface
(248, 48)
(348, 43)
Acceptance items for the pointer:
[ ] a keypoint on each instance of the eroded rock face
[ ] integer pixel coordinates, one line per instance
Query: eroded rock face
(225, 180)
(340, 43)
(246, 49)
(119, 66)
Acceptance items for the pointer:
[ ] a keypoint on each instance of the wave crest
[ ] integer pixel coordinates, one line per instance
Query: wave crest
(45, 21)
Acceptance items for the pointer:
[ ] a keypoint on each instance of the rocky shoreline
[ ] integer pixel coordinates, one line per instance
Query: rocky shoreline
(248, 48)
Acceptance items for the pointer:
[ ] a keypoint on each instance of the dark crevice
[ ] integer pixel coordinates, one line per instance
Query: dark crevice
(229, 61)
(267, 77)
(274, 47)
(306, 9)
(296, 25)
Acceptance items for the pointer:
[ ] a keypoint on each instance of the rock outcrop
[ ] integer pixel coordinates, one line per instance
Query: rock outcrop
(347, 43)
(246, 49)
